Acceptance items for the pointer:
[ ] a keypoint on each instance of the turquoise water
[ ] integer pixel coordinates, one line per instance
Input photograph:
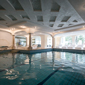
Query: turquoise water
(50, 68)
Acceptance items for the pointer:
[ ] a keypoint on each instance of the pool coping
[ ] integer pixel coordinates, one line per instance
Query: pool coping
(42, 50)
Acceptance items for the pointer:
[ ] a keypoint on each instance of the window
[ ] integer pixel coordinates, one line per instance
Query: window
(20, 41)
(36, 40)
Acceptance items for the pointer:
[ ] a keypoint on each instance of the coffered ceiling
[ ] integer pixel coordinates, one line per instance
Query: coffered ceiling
(45, 15)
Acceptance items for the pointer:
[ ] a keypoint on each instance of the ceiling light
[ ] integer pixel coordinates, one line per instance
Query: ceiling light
(12, 29)
(23, 26)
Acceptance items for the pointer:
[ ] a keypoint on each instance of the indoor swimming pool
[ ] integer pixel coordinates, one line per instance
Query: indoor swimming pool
(48, 68)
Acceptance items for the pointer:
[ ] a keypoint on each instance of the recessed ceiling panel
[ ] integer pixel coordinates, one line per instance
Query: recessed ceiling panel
(11, 17)
(75, 21)
(52, 18)
(40, 18)
(1, 8)
(65, 19)
(60, 25)
(15, 4)
(51, 25)
(36, 5)
(55, 7)
(25, 17)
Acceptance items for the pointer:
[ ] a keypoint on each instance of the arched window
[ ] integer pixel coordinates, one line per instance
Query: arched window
(20, 41)
(36, 40)
(68, 40)
(80, 39)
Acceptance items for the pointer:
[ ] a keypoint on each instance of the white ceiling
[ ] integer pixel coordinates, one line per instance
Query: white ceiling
(45, 15)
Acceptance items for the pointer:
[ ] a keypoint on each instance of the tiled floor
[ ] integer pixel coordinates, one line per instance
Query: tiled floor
(51, 68)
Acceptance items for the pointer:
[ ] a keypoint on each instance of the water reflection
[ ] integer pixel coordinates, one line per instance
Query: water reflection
(16, 64)
(6, 61)
(14, 60)
(75, 58)
(12, 74)
(53, 58)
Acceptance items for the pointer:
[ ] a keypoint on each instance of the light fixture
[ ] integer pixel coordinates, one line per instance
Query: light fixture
(12, 29)
(23, 26)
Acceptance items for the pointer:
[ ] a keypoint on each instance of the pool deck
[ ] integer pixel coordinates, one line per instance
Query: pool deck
(42, 50)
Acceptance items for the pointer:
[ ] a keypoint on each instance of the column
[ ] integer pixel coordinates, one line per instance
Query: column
(73, 40)
(27, 41)
(53, 41)
(29, 48)
(43, 41)
(13, 45)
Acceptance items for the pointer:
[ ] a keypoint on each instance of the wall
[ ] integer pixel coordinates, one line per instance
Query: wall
(5, 39)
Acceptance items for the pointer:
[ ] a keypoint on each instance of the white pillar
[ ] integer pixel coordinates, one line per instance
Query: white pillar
(27, 41)
(29, 48)
(43, 41)
(13, 45)
(53, 42)
(73, 40)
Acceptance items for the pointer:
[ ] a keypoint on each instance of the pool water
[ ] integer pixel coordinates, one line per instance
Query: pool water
(49, 68)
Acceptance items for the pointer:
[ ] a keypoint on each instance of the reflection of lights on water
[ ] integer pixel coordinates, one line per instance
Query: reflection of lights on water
(10, 71)
(15, 75)
(20, 82)
(22, 79)
(26, 61)
(6, 69)
(40, 66)
(11, 77)
(62, 69)
(53, 69)
(73, 68)
(12, 74)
